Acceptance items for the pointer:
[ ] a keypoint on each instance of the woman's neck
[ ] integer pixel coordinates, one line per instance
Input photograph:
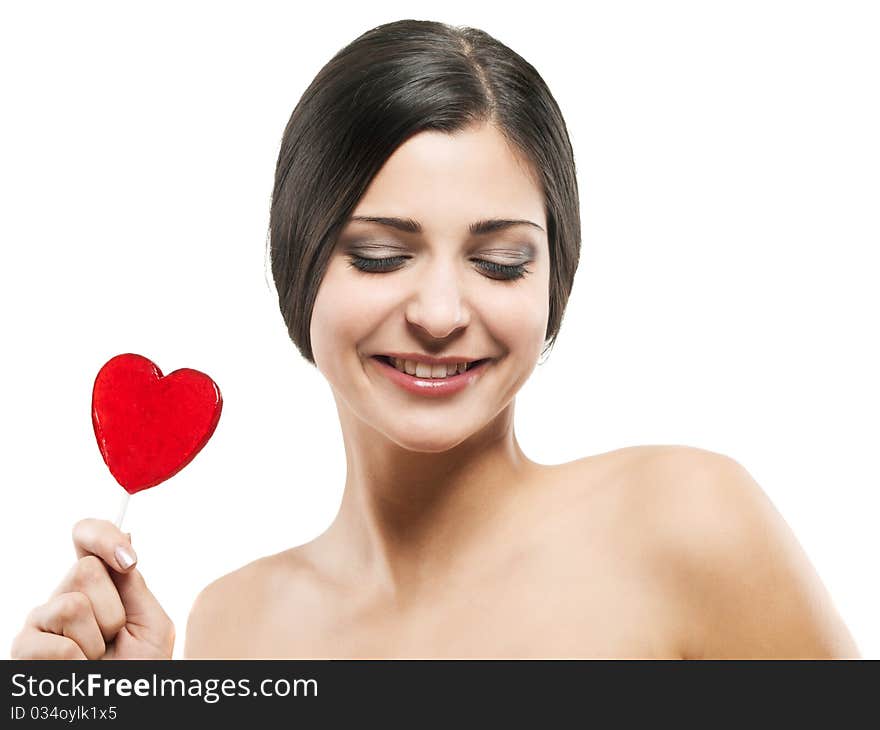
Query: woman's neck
(409, 518)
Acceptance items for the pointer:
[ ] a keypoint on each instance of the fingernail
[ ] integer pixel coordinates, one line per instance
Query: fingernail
(125, 557)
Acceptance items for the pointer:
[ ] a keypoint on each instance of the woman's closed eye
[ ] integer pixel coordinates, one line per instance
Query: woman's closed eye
(501, 272)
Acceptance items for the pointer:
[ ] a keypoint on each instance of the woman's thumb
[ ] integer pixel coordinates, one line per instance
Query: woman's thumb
(141, 606)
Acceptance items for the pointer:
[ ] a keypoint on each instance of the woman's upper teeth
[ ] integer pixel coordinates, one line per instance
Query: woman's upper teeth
(424, 370)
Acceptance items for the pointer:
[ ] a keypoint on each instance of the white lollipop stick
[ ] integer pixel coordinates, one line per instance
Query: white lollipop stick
(122, 508)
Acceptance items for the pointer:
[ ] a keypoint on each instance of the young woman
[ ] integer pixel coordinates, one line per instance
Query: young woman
(425, 234)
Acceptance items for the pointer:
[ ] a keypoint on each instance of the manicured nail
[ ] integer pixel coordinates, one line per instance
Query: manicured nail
(125, 557)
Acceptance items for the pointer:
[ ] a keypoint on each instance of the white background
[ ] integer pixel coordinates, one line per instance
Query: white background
(727, 296)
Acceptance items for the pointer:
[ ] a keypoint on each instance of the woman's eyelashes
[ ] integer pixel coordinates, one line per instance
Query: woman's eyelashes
(501, 272)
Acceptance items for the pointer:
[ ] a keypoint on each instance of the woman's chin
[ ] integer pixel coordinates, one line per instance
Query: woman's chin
(428, 441)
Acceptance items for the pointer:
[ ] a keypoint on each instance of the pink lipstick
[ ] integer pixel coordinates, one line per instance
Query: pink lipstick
(431, 387)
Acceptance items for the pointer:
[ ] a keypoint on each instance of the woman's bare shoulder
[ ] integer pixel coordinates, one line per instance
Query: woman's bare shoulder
(741, 580)
(225, 612)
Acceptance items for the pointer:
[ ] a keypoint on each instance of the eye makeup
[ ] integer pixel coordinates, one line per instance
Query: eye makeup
(502, 272)
(523, 250)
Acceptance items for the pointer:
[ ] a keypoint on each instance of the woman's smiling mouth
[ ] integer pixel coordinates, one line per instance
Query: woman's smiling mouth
(431, 380)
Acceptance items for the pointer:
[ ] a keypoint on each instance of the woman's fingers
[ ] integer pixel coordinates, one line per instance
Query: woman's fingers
(90, 576)
(102, 548)
(32, 643)
(107, 541)
(120, 596)
(70, 615)
(102, 594)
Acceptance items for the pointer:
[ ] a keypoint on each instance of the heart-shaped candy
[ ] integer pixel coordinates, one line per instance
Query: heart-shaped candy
(150, 426)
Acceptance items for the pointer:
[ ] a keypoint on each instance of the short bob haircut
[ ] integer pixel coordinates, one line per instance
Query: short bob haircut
(392, 82)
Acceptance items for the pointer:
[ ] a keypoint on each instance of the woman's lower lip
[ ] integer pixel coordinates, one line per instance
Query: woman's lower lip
(431, 387)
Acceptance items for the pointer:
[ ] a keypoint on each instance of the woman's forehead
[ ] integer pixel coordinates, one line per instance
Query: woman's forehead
(444, 178)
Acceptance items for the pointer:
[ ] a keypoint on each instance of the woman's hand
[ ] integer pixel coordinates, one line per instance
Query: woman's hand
(102, 609)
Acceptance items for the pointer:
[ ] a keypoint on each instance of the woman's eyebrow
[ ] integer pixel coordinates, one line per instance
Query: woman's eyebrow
(479, 228)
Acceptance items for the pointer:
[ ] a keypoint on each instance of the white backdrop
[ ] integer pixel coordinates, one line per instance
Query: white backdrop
(727, 297)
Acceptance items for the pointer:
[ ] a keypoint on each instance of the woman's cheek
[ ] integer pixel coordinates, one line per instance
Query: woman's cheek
(347, 309)
(524, 317)
(333, 316)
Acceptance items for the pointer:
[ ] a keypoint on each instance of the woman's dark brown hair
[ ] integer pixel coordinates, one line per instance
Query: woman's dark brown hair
(390, 83)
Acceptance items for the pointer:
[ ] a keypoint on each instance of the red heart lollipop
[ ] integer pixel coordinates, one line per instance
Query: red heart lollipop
(148, 426)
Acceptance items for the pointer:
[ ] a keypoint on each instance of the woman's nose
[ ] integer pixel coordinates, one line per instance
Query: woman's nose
(438, 305)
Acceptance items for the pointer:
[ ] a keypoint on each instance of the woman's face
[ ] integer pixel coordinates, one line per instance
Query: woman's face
(443, 292)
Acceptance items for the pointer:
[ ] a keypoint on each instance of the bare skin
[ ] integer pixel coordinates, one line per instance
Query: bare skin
(102, 608)
(449, 541)
(645, 552)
